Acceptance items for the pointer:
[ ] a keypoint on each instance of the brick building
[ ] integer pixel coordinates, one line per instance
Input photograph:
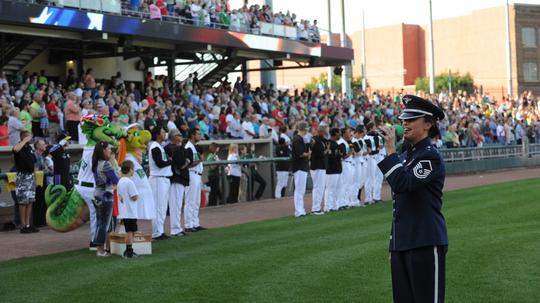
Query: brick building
(476, 43)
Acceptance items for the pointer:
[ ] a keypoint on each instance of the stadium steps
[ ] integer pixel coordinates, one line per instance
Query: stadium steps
(19, 53)
(223, 69)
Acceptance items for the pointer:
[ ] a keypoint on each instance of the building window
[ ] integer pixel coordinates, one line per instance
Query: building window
(530, 72)
(528, 37)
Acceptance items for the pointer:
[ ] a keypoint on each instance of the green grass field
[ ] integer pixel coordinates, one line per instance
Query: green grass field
(494, 256)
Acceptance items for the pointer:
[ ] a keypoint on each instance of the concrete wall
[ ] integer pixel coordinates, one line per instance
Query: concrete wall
(105, 68)
(42, 62)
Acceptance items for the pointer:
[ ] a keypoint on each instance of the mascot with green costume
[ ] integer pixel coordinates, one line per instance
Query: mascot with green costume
(66, 210)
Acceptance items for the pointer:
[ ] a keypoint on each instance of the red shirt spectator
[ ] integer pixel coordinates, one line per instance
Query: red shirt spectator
(162, 7)
(52, 112)
(151, 101)
(4, 132)
(278, 115)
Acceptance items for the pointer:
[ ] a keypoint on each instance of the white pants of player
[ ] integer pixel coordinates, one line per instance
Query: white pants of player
(318, 178)
(378, 178)
(87, 193)
(345, 184)
(282, 182)
(300, 178)
(193, 201)
(362, 170)
(370, 178)
(160, 189)
(176, 200)
(330, 192)
(355, 182)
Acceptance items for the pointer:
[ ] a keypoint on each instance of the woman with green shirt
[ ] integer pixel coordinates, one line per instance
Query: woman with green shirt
(213, 175)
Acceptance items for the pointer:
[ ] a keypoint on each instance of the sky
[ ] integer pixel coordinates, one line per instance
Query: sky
(378, 12)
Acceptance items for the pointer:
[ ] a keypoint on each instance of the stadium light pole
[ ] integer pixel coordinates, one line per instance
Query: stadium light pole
(330, 68)
(346, 73)
(364, 81)
(431, 53)
(508, 51)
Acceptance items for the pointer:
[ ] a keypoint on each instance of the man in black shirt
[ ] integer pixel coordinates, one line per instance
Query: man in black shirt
(62, 161)
(333, 170)
(25, 161)
(179, 180)
(149, 121)
(282, 168)
(318, 169)
(300, 168)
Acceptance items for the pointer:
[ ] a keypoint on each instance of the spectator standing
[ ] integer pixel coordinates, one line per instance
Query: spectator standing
(25, 161)
(235, 126)
(52, 114)
(195, 9)
(127, 206)
(72, 112)
(247, 127)
(135, 5)
(213, 176)
(234, 172)
(36, 111)
(62, 161)
(105, 177)
(4, 131)
(38, 207)
(15, 126)
(89, 80)
(254, 175)
(155, 11)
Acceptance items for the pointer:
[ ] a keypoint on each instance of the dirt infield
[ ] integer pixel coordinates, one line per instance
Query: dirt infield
(15, 245)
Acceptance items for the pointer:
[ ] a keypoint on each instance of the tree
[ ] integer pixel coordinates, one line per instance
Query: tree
(356, 83)
(464, 83)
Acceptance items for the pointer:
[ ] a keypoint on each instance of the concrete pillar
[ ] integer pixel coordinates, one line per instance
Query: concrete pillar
(268, 77)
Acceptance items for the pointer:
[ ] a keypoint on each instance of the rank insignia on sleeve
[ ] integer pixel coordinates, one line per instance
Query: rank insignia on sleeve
(422, 169)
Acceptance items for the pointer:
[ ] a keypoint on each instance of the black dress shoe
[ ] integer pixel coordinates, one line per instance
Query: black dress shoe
(162, 237)
(25, 230)
(180, 234)
(191, 230)
(200, 228)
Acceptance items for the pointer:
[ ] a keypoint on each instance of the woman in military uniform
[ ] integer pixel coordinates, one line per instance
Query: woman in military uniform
(418, 241)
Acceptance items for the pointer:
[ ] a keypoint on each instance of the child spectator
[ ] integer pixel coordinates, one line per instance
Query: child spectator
(127, 208)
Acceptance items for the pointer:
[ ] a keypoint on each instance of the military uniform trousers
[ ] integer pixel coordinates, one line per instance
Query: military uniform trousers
(418, 275)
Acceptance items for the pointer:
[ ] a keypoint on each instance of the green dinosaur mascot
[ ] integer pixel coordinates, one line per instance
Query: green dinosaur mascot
(66, 210)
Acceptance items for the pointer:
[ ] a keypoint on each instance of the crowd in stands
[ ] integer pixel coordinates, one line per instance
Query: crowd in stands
(219, 14)
(236, 110)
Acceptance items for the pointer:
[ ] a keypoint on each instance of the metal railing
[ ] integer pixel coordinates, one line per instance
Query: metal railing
(491, 152)
(116, 7)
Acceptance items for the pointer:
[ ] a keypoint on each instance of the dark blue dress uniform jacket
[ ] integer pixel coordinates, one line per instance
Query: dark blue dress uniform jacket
(416, 179)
